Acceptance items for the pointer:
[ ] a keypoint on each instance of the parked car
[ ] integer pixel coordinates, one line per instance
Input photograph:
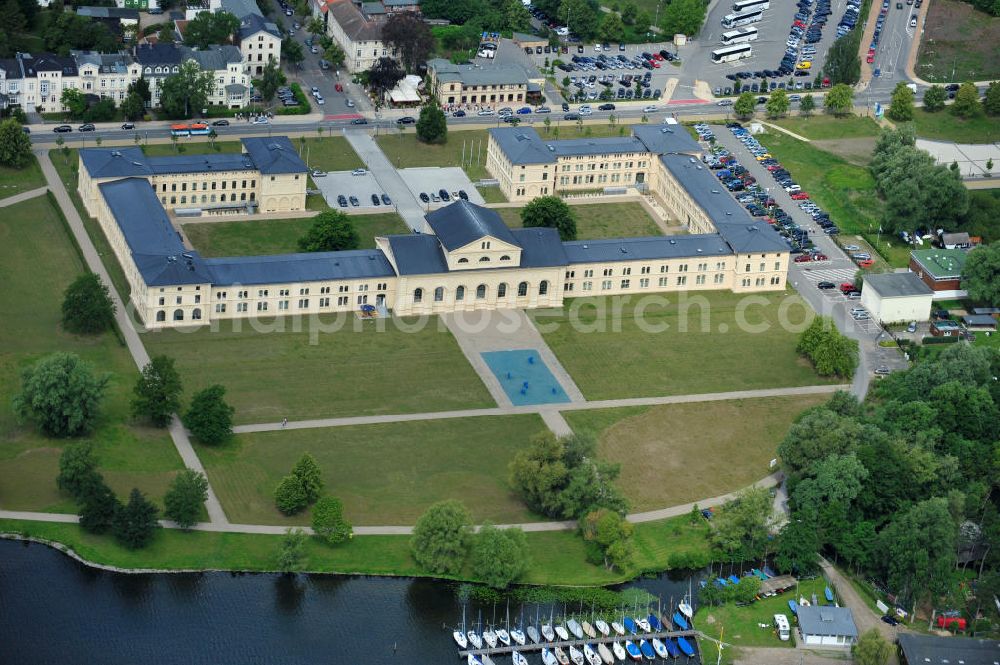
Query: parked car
(443, 193)
(424, 198)
(349, 103)
(359, 121)
(375, 200)
(316, 173)
(462, 195)
(86, 127)
(825, 285)
(342, 201)
(887, 618)
(260, 120)
(458, 114)
(354, 201)
(386, 200)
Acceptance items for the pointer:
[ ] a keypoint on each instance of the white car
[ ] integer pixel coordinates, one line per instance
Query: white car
(586, 110)
(486, 112)
(649, 109)
(260, 120)
(319, 99)
(725, 102)
(359, 172)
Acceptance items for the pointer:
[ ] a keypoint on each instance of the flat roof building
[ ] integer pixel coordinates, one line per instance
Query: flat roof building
(897, 297)
(915, 649)
(826, 625)
(940, 269)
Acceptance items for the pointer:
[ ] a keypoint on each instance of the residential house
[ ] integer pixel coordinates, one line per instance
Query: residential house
(260, 40)
(232, 84)
(941, 269)
(357, 33)
(827, 626)
(106, 74)
(484, 86)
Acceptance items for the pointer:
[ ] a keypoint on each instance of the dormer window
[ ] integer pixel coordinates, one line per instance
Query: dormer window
(505, 258)
(463, 260)
(484, 259)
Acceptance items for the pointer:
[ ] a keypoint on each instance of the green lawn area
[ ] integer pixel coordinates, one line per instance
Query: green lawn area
(845, 190)
(328, 153)
(14, 181)
(279, 236)
(958, 44)
(492, 194)
(385, 473)
(943, 126)
(603, 345)
(679, 453)
(821, 126)
(741, 623)
(325, 367)
(37, 263)
(601, 220)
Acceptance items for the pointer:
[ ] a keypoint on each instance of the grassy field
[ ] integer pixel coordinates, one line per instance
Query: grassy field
(741, 623)
(601, 220)
(385, 474)
(492, 195)
(943, 126)
(611, 356)
(328, 153)
(37, 262)
(278, 236)
(325, 367)
(826, 127)
(14, 181)
(679, 453)
(958, 44)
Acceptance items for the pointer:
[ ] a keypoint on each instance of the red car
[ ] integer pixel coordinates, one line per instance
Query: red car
(870, 59)
(657, 56)
(655, 63)
(774, 167)
(803, 258)
(846, 288)
(800, 196)
(339, 88)
(826, 82)
(820, 257)
(798, 24)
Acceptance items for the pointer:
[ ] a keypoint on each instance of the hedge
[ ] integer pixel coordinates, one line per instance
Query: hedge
(302, 109)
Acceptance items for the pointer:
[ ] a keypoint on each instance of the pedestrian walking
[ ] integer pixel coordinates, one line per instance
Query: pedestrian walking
(284, 421)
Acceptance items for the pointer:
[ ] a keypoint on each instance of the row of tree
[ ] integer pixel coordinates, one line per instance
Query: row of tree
(831, 352)
(966, 105)
(838, 100)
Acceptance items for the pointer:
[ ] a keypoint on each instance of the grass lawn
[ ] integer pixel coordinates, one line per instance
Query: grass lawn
(679, 453)
(943, 126)
(329, 153)
(602, 344)
(278, 236)
(958, 44)
(845, 190)
(385, 474)
(601, 220)
(741, 623)
(325, 367)
(492, 195)
(14, 181)
(821, 126)
(37, 263)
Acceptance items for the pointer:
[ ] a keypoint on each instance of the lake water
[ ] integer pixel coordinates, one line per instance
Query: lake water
(56, 610)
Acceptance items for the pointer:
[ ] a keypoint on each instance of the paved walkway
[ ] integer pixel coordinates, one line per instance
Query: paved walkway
(23, 196)
(388, 178)
(180, 438)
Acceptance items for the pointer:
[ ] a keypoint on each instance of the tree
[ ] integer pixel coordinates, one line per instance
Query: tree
(384, 75)
(167, 34)
(551, 212)
(157, 392)
(682, 17)
(99, 507)
(334, 54)
(15, 146)
(580, 16)
(777, 104)
(328, 521)
(612, 28)
(934, 98)
(807, 105)
(310, 476)
(798, 546)
(187, 91)
(75, 102)
(839, 100)
(140, 87)
(185, 497)
(919, 550)
(271, 79)
(135, 523)
(208, 28)
(981, 273)
(331, 231)
(745, 105)
(612, 534)
(513, 16)
(68, 30)
(741, 527)
(411, 36)
(315, 26)
(77, 469)
(499, 556)
(441, 538)
(61, 394)
(290, 551)
(432, 127)
(832, 353)
(87, 308)
(133, 107)
(871, 648)
(209, 417)
(901, 107)
(291, 51)
(289, 496)
(629, 13)
(966, 104)
(991, 101)
(843, 64)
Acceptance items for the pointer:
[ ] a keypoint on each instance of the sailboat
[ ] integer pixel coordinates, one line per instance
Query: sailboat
(518, 658)
(685, 647)
(660, 648)
(547, 631)
(618, 628)
(643, 624)
(576, 656)
(630, 625)
(591, 655)
(672, 648)
(518, 636)
(472, 660)
(685, 605)
(490, 638)
(680, 622)
(647, 650)
(486, 659)
(588, 630)
(619, 650)
(575, 628)
(503, 637)
(605, 654)
(632, 650)
(459, 635)
(475, 640)
(561, 656)
(602, 627)
(654, 623)
(548, 658)
(562, 632)
(533, 634)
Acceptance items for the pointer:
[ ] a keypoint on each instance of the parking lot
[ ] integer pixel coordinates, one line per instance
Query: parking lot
(431, 180)
(361, 187)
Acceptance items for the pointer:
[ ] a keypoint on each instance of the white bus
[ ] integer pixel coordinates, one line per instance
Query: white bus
(746, 18)
(739, 36)
(741, 6)
(731, 53)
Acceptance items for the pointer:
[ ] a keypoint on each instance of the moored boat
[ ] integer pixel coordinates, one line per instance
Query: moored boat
(474, 639)
(591, 655)
(490, 638)
(619, 650)
(602, 627)
(671, 648)
(680, 622)
(605, 653)
(548, 658)
(630, 625)
(659, 648)
(547, 632)
(733, 579)
(503, 637)
(643, 625)
(460, 639)
(576, 656)
(654, 623)
(647, 649)
(562, 632)
(518, 658)
(561, 656)
(685, 647)
(472, 660)
(486, 659)
(533, 634)
(574, 627)
(829, 595)
(588, 630)
(632, 650)
(686, 609)
(618, 628)
(517, 636)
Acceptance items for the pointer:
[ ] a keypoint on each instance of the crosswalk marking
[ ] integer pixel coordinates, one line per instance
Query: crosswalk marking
(835, 275)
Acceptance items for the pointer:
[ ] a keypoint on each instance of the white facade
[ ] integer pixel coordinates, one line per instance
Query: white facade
(897, 298)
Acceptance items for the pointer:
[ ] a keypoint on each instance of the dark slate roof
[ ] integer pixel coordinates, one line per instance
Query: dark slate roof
(156, 248)
(896, 284)
(115, 163)
(274, 155)
(201, 163)
(417, 254)
(540, 247)
(240, 8)
(463, 222)
(109, 12)
(645, 249)
(158, 54)
(745, 234)
(604, 146)
(315, 266)
(213, 58)
(46, 62)
(826, 620)
(935, 650)
(665, 139)
(251, 24)
(523, 145)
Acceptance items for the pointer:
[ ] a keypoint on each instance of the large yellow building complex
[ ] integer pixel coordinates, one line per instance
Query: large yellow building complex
(471, 261)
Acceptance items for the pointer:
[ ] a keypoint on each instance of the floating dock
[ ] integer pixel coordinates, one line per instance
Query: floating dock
(529, 646)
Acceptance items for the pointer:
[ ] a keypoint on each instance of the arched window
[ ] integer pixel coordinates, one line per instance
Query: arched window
(480, 292)
(505, 258)
(439, 294)
(543, 288)
(178, 315)
(418, 295)
(460, 293)
(161, 316)
(484, 259)
(196, 314)
(203, 198)
(522, 289)
(463, 260)
(502, 290)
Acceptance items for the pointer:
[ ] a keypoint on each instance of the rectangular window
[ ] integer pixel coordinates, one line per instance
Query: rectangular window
(625, 283)
(644, 283)
(303, 303)
(568, 286)
(605, 285)
(324, 302)
(342, 300)
(241, 307)
(304, 292)
(777, 265)
(700, 279)
(587, 286)
(626, 271)
(645, 270)
(220, 308)
(262, 307)
(282, 304)
(588, 273)
(681, 280)
(608, 272)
